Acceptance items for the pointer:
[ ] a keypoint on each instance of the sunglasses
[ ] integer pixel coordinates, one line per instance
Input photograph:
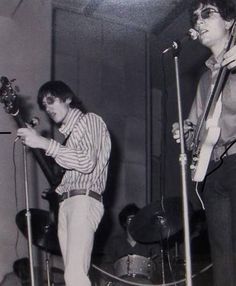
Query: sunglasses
(204, 14)
(49, 100)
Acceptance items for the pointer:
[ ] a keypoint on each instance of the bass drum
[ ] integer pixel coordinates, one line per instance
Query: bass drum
(134, 266)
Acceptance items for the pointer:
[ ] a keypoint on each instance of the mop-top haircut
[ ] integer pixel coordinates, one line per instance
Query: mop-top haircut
(226, 8)
(60, 90)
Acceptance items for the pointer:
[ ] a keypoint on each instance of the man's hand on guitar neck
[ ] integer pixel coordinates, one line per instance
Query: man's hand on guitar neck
(30, 137)
(188, 128)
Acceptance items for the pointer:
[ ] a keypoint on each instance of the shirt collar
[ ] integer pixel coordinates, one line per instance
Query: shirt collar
(70, 120)
(215, 63)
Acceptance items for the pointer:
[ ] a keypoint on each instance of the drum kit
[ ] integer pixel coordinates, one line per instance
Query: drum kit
(156, 223)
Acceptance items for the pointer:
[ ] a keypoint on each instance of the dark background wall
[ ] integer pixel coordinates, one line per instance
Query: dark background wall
(117, 73)
(106, 65)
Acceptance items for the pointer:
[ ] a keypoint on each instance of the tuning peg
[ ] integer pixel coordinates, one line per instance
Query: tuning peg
(17, 89)
(192, 167)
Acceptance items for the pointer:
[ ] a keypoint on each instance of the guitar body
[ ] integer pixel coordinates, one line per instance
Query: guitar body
(202, 157)
(202, 154)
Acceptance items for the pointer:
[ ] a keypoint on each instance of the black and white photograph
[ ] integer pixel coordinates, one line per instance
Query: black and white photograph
(117, 148)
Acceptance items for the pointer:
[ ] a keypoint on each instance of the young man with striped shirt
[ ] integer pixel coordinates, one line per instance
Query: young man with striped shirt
(85, 158)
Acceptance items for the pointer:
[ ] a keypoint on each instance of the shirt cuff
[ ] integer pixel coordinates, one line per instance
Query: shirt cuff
(53, 148)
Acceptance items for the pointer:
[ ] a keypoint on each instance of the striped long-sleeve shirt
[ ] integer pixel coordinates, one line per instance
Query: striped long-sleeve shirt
(85, 156)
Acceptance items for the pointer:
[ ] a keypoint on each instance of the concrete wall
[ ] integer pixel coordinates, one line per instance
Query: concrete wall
(25, 54)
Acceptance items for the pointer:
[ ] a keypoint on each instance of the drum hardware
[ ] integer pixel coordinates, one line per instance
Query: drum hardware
(28, 218)
(44, 233)
(176, 278)
(157, 222)
(47, 258)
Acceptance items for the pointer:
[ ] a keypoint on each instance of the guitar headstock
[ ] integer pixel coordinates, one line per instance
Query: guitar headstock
(8, 96)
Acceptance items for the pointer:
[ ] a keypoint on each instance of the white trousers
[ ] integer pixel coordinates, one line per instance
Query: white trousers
(79, 217)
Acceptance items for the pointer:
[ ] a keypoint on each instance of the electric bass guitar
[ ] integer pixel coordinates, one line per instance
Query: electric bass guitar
(9, 99)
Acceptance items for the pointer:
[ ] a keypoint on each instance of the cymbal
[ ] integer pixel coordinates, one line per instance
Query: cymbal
(154, 223)
(44, 232)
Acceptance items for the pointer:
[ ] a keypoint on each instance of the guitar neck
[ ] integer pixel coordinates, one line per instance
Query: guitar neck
(213, 98)
(51, 178)
(221, 79)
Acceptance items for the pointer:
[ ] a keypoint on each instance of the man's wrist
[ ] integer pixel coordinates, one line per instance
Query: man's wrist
(53, 148)
(44, 143)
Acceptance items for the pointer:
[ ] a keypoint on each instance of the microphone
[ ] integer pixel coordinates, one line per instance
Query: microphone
(33, 122)
(192, 34)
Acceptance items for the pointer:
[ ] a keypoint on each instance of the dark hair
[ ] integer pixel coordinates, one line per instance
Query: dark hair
(130, 209)
(61, 90)
(226, 8)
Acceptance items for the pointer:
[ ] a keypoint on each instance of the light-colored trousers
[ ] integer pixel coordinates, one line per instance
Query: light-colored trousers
(79, 217)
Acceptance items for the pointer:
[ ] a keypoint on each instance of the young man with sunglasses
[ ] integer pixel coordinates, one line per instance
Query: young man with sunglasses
(85, 158)
(213, 20)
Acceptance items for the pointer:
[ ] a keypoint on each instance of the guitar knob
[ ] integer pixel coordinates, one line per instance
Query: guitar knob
(192, 167)
(195, 159)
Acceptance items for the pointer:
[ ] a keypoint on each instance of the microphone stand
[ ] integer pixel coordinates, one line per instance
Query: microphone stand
(28, 218)
(183, 164)
(46, 229)
(162, 256)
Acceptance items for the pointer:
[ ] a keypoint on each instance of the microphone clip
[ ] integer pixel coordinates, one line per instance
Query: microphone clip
(175, 46)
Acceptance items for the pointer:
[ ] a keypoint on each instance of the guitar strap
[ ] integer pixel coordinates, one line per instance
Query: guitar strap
(216, 90)
(61, 171)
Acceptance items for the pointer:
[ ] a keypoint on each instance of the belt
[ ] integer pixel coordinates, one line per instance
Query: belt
(79, 192)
